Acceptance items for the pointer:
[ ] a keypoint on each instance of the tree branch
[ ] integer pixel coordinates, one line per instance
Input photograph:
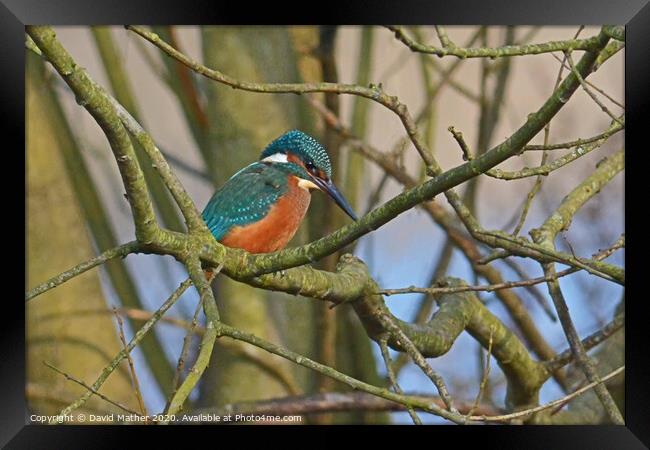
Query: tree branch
(93, 98)
(588, 343)
(545, 236)
(613, 129)
(590, 44)
(212, 328)
(545, 169)
(121, 251)
(413, 402)
(374, 92)
(383, 345)
(326, 403)
(141, 333)
(560, 401)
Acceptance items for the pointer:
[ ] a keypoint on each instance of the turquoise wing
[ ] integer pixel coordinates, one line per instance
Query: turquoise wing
(245, 198)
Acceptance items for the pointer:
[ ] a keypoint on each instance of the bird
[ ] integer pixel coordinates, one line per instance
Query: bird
(260, 208)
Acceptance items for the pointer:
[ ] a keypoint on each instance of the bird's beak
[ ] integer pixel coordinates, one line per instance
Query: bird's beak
(332, 191)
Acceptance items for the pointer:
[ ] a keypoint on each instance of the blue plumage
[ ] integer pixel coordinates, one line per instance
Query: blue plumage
(248, 196)
(308, 149)
(245, 198)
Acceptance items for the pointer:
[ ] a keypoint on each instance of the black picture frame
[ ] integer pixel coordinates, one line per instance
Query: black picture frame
(635, 14)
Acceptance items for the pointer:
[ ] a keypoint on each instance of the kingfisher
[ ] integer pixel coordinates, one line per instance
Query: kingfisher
(260, 208)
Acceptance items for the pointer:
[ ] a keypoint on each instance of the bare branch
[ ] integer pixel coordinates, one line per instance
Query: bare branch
(91, 390)
(326, 403)
(121, 251)
(589, 44)
(134, 378)
(563, 400)
(588, 343)
(122, 354)
(393, 379)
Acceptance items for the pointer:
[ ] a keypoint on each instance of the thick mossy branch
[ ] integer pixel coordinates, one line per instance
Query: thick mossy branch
(457, 237)
(615, 32)
(347, 284)
(252, 265)
(612, 48)
(561, 218)
(94, 99)
(442, 181)
(545, 236)
(188, 209)
(458, 312)
(121, 86)
(199, 280)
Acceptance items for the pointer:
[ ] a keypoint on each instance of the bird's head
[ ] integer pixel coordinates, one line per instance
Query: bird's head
(307, 159)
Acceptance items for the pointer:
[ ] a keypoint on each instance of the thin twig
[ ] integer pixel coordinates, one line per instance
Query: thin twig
(587, 90)
(444, 39)
(483, 288)
(593, 86)
(496, 52)
(419, 360)
(545, 169)
(136, 314)
(415, 402)
(538, 182)
(121, 251)
(91, 390)
(383, 345)
(467, 154)
(523, 247)
(565, 357)
(579, 353)
(374, 92)
(563, 400)
(122, 354)
(615, 128)
(134, 378)
(484, 379)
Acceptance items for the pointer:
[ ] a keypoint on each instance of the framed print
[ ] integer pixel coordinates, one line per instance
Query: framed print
(397, 215)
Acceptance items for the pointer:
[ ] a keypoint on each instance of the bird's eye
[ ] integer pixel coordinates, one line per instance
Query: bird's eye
(310, 166)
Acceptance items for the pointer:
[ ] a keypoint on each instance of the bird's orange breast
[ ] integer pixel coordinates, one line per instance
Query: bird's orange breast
(276, 229)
